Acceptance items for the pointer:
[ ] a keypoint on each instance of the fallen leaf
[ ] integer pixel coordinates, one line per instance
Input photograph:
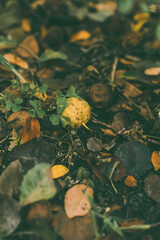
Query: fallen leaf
(28, 47)
(76, 201)
(155, 159)
(82, 35)
(108, 132)
(131, 91)
(126, 62)
(79, 228)
(40, 210)
(12, 58)
(130, 181)
(26, 25)
(18, 119)
(31, 129)
(155, 71)
(37, 185)
(152, 187)
(59, 171)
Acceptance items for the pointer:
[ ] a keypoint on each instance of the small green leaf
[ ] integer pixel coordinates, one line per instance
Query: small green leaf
(43, 88)
(34, 103)
(158, 32)
(53, 55)
(40, 113)
(71, 92)
(9, 104)
(59, 93)
(16, 108)
(65, 121)
(32, 112)
(18, 100)
(37, 185)
(54, 119)
(26, 87)
(62, 103)
(125, 6)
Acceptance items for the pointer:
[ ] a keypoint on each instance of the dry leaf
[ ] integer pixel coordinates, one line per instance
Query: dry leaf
(28, 48)
(152, 71)
(131, 91)
(12, 58)
(31, 129)
(17, 119)
(155, 159)
(124, 61)
(59, 171)
(82, 35)
(26, 25)
(106, 6)
(108, 132)
(130, 181)
(40, 210)
(79, 228)
(76, 200)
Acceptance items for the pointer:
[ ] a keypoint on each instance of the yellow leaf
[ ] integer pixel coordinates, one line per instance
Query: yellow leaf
(82, 35)
(152, 71)
(139, 16)
(59, 171)
(155, 159)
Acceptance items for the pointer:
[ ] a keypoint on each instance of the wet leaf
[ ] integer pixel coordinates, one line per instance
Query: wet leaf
(76, 201)
(37, 185)
(155, 158)
(59, 171)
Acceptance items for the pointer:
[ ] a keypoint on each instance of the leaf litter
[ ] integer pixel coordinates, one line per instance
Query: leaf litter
(100, 180)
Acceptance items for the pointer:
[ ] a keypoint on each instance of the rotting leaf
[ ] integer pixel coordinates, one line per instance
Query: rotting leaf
(37, 185)
(76, 201)
(59, 171)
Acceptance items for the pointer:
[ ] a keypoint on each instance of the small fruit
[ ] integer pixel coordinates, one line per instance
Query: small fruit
(78, 110)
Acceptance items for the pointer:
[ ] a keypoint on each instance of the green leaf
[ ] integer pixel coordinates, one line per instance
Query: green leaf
(59, 93)
(26, 87)
(9, 104)
(125, 6)
(43, 88)
(54, 119)
(16, 108)
(37, 185)
(18, 100)
(34, 103)
(158, 32)
(53, 55)
(65, 121)
(71, 92)
(62, 103)
(32, 112)
(40, 113)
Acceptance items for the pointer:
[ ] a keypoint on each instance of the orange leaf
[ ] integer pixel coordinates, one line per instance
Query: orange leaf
(155, 71)
(28, 47)
(26, 25)
(76, 200)
(82, 35)
(12, 58)
(130, 181)
(108, 132)
(31, 129)
(155, 159)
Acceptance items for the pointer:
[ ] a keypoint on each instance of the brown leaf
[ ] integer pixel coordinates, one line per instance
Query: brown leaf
(76, 201)
(18, 119)
(12, 58)
(155, 159)
(130, 181)
(28, 48)
(79, 228)
(41, 210)
(26, 25)
(31, 129)
(131, 91)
